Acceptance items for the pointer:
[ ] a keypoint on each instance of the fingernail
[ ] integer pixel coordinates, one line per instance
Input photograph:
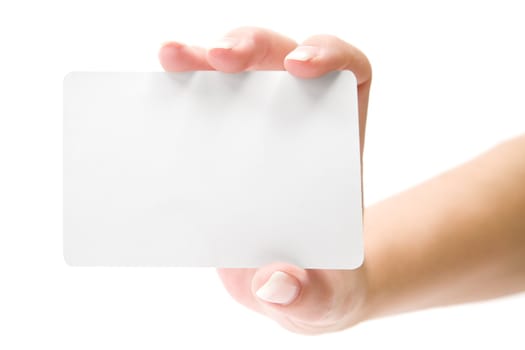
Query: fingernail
(281, 288)
(303, 53)
(225, 43)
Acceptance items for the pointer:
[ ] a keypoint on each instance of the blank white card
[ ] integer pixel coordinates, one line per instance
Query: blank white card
(211, 169)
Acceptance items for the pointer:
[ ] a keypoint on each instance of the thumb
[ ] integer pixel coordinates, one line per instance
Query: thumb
(310, 298)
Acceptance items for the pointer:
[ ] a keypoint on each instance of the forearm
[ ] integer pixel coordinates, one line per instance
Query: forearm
(456, 238)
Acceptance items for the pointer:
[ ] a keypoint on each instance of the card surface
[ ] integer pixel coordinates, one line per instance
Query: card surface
(211, 169)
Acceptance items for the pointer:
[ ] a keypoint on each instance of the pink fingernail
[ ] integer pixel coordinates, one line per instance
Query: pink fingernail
(281, 288)
(225, 43)
(303, 53)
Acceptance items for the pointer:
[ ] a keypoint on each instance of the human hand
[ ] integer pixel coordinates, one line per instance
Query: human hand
(305, 301)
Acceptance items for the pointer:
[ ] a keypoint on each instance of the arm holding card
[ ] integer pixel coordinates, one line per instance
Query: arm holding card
(456, 238)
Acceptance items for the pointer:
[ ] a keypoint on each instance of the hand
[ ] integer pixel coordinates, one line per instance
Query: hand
(304, 301)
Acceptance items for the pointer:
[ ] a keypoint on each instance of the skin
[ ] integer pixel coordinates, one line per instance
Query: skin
(458, 237)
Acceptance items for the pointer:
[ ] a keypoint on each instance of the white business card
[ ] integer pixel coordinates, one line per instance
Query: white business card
(211, 169)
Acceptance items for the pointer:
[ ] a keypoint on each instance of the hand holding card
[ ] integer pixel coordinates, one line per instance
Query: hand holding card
(302, 300)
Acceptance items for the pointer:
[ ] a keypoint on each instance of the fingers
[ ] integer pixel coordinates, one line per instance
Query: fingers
(242, 49)
(176, 57)
(249, 48)
(257, 48)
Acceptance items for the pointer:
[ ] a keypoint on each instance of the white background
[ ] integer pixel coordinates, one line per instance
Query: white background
(448, 84)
